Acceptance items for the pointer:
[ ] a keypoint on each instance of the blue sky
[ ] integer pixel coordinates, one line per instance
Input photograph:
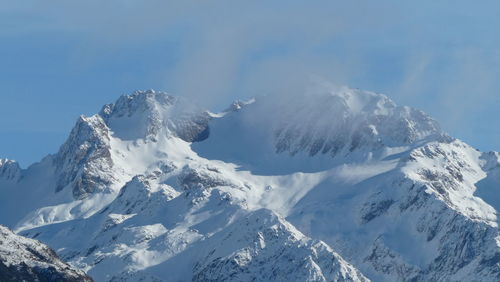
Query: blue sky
(67, 58)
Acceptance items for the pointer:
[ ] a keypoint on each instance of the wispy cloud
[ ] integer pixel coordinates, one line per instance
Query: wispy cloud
(436, 55)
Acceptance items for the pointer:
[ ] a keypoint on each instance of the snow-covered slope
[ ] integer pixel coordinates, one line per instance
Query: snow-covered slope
(23, 259)
(334, 185)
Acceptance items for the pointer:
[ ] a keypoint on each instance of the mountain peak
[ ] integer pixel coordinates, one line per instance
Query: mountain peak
(356, 100)
(238, 105)
(138, 101)
(328, 122)
(148, 114)
(9, 170)
(336, 120)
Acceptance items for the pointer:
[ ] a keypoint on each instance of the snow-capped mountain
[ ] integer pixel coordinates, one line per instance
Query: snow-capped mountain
(23, 259)
(334, 185)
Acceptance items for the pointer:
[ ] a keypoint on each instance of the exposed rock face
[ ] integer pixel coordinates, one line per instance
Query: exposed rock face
(23, 259)
(84, 162)
(349, 120)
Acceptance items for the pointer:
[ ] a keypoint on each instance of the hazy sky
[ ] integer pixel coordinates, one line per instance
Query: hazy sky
(67, 58)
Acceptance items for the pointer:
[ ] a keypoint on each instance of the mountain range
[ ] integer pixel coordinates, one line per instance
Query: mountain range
(334, 184)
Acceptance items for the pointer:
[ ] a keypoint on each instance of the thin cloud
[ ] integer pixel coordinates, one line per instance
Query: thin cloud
(439, 51)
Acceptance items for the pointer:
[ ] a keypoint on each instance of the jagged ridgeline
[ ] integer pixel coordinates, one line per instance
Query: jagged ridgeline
(336, 185)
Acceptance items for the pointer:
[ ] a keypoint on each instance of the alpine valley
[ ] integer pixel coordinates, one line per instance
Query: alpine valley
(336, 184)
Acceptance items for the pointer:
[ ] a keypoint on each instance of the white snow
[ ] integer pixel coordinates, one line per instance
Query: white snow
(324, 185)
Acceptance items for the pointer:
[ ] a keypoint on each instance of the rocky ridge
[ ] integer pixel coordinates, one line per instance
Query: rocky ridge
(23, 259)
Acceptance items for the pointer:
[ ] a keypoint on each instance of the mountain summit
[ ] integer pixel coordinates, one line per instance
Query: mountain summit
(145, 114)
(337, 184)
